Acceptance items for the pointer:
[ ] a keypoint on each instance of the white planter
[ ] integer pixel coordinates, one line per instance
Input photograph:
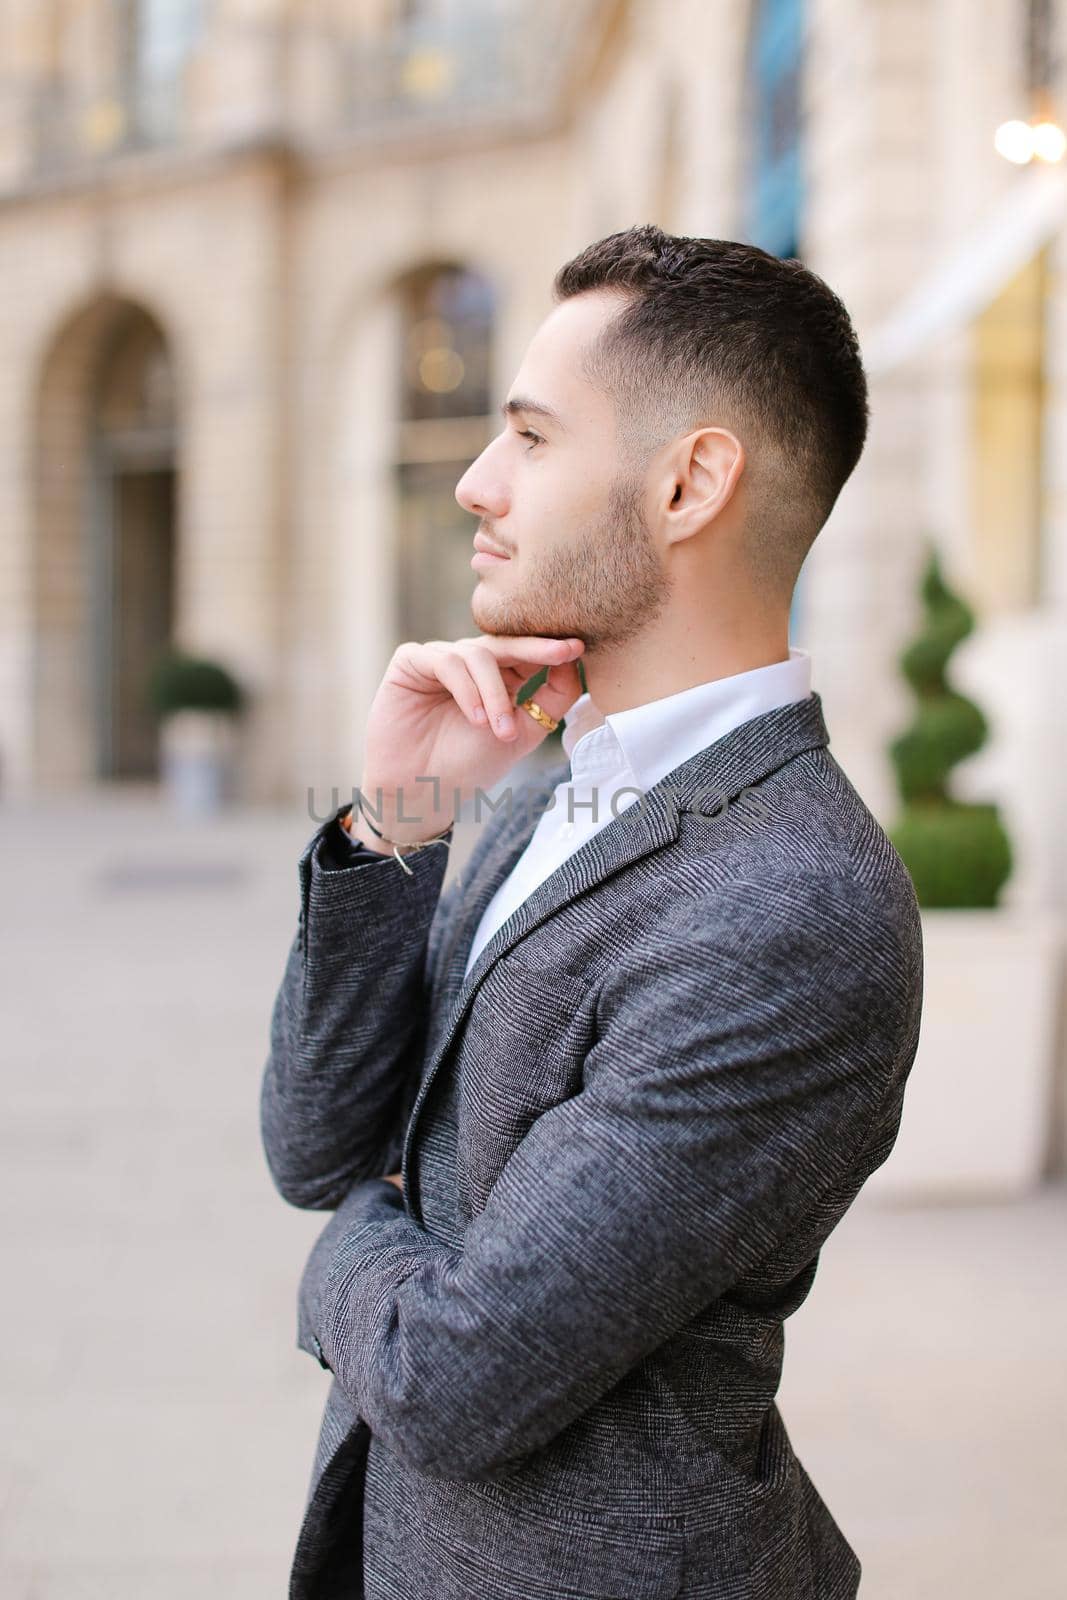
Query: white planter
(979, 1102)
(197, 751)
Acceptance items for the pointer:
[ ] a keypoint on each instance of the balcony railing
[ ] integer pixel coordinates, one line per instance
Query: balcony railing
(488, 61)
(71, 128)
(506, 58)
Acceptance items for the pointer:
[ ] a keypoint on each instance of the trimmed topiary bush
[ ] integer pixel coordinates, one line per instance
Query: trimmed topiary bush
(181, 682)
(958, 854)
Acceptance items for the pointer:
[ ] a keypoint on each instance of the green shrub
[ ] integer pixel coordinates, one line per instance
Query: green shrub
(181, 682)
(958, 854)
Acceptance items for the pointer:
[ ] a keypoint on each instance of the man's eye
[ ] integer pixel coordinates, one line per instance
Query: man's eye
(527, 433)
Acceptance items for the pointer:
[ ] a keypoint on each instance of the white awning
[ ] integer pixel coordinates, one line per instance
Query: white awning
(963, 284)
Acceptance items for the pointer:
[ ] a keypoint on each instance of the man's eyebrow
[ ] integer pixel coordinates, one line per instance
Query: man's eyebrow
(533, 408)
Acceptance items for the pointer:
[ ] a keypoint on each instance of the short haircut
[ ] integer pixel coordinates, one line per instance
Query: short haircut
(718, 333)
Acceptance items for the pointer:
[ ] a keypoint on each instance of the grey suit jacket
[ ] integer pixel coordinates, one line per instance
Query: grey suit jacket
(664, 1081)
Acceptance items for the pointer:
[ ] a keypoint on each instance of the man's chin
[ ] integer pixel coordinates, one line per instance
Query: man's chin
(507, 616)
(499, 616)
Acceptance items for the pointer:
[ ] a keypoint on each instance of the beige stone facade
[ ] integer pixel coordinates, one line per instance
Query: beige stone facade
(206, 234)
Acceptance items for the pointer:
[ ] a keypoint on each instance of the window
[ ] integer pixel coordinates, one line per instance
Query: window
(160, 36)
(1007, 457)
(1040, 46)
(773, 178)
(445, 422)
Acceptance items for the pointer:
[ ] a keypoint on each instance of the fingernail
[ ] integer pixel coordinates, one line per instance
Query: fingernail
(505, 722)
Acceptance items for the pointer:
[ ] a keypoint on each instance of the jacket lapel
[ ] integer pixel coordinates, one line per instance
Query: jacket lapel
(702, 784)
(512, 837)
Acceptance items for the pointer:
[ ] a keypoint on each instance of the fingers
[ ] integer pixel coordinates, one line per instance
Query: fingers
(526, 648)
(479, 673)
(473, 679)
(501, 665)
(484, 668)
(525, 652)
(560, 689)
(452, 670)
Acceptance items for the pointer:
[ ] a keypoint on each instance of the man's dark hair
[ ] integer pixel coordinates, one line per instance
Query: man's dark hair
(717, 333)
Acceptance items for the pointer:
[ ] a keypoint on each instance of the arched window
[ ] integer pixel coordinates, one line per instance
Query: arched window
(773, 193)
(446, 329)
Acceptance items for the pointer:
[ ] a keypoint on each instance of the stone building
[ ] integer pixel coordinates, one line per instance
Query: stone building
(268, 269)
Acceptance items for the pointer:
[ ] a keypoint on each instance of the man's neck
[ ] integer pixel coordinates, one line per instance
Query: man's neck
(618, 680)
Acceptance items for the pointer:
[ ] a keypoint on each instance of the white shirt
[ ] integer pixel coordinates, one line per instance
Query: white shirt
(630, 751)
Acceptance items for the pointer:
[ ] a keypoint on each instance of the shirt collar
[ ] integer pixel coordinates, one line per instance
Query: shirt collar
(650, 740)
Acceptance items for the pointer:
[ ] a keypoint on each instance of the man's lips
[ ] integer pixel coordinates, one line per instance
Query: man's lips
(485, 554)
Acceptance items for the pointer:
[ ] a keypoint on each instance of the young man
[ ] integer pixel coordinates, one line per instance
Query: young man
(636, 1063)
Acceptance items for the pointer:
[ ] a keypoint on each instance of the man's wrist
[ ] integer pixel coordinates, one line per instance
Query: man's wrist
(360, 831)
(382, 835)
(355, 825)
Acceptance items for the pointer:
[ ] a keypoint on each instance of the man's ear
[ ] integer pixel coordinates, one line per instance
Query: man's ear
(706, 473)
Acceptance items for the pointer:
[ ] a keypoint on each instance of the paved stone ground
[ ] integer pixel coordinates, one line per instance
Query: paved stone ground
(159, 1419)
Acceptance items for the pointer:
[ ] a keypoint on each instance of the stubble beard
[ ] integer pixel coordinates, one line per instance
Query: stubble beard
(604, 586)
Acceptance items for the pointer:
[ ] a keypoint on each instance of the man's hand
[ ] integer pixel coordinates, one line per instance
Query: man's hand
(349, 1215)
(397, 1178)
(432, 736)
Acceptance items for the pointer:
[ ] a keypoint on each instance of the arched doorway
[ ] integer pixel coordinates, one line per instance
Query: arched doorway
(133, 534)
(107, 543)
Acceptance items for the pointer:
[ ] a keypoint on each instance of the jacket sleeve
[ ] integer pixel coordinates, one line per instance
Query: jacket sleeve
(347, 1022)
(743, 1057)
